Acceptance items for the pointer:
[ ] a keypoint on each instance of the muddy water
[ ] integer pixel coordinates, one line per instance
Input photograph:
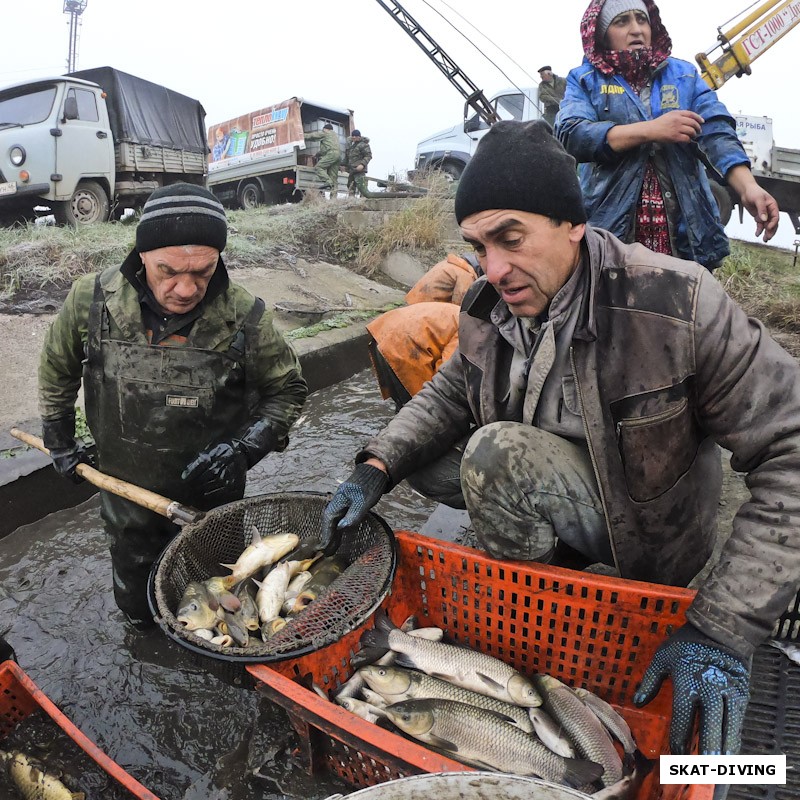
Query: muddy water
(182, 733)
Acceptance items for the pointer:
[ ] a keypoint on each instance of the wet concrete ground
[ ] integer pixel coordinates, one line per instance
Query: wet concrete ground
(180, 731)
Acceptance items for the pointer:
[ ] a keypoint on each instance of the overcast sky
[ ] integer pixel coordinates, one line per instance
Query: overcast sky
(239, 56)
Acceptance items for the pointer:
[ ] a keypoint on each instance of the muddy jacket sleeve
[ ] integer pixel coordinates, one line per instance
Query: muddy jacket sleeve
(60, 362)
(280, 386)
(425, 427)
(748, 400)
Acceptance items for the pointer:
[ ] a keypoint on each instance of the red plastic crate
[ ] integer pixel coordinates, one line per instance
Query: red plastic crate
(587, 630)
(20, 697)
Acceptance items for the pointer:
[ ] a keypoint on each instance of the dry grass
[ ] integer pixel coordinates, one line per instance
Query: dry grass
(48, 258)
(763, 281)
(35, 256)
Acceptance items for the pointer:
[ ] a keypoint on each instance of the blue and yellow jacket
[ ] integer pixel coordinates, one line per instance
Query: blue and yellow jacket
(594, 102)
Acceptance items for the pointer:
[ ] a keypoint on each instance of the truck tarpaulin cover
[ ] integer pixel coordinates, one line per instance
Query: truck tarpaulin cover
(268, 131)
(146, 113)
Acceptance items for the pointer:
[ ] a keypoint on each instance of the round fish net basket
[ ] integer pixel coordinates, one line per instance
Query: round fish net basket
(197, 552)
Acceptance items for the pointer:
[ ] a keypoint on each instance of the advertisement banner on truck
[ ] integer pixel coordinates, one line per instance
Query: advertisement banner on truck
(268, 131)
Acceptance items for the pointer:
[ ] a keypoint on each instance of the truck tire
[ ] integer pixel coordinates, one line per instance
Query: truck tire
(451, 171)
(724, 201)
(250, 196)
(88, 204)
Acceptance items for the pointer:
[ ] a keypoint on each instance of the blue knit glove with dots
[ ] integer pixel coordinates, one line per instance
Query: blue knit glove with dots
(351, 504)
(707, 678)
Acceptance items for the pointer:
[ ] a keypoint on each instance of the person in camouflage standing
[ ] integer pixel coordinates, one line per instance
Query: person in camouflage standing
(551, 93)
(356, 158)
(187, 383)
(329, 156)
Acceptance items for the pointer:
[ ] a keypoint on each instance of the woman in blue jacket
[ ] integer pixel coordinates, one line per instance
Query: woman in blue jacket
(642, 125)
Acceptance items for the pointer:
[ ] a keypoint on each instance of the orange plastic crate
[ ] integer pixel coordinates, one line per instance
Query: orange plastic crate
(20, 697)
(587, 630)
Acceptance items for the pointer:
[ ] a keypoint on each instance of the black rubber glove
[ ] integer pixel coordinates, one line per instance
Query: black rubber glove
(59, 439)
(222, 466)
(351, 503)
(707, 678)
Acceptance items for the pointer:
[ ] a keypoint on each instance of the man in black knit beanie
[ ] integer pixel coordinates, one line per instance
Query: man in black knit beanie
(594, 381)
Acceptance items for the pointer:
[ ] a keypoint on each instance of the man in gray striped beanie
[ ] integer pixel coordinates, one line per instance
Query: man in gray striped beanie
(187, 384)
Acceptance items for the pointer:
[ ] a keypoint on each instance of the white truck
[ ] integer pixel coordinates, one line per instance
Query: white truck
(450, 150)
(262, 157)
(94, 143)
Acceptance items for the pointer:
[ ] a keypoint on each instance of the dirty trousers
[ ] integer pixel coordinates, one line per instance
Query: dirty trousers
(524, 488)
(136, 537)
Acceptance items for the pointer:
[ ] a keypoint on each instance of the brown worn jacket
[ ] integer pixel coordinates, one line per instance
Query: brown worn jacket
(665, 365)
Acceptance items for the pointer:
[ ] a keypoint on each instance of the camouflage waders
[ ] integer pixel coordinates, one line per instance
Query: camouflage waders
(153, 408)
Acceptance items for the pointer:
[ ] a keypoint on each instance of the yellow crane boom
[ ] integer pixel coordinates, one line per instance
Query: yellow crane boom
(751, 37)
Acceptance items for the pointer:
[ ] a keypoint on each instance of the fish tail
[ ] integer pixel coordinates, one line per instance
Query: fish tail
(375, 639)
(378, 637)
(637, 762)
(367, 656)
(579, 772)
(383, 623)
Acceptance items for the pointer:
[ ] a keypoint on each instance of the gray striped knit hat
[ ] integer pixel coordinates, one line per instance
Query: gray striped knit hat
(181, 214)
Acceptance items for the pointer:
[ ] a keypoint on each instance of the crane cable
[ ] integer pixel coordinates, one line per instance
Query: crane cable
(463, 35)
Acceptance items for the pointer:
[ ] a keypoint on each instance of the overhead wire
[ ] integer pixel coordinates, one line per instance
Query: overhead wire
(494, 44)
(469, 41)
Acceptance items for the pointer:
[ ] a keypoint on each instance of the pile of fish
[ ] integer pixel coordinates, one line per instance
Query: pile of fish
(478, 710)
(264, 590)
(31, 779)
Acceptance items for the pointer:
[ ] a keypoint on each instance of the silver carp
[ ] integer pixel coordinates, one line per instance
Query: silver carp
(584, 729)
(395, 684)
(361, 708)
(481, 738)
(608, 715)
(272, 590)
(464, 667)
(262, 552)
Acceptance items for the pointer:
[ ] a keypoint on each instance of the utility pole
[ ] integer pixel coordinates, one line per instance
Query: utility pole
(74, 8)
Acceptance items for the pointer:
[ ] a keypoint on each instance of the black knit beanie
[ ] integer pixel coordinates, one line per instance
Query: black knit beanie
(521, 166)
(179, 214)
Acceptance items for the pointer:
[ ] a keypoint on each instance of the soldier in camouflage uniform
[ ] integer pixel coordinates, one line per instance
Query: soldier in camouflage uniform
(328, 158)
(356, 158)
(551, 93)
(187, 383)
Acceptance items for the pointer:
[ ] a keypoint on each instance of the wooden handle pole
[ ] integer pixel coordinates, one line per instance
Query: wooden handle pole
(171, 509)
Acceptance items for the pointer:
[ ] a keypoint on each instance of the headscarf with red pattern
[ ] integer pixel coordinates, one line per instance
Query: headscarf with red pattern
(635, 66)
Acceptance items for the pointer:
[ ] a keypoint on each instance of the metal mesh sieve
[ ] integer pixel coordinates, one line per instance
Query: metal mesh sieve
(220, 537)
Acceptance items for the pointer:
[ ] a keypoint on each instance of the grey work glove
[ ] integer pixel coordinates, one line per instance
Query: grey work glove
(223, 466)
(707, 678)
(351, 503)
(59, 439)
